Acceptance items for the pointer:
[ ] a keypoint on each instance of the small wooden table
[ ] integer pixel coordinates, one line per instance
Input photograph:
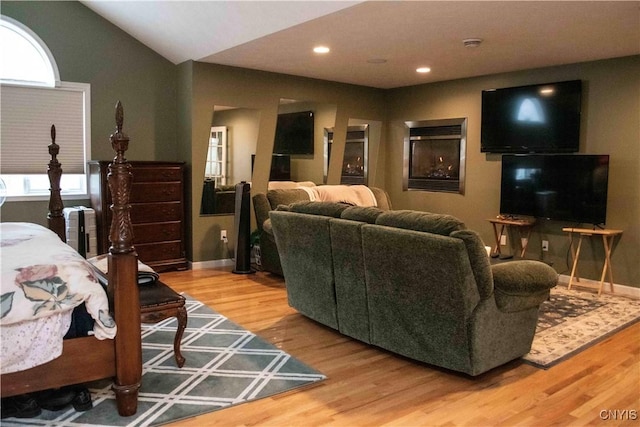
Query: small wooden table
(608, 237)
(158, 302)
(523, 223)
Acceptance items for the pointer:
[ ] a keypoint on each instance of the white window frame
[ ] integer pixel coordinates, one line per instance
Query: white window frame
(217, 144)
(39, 46)
(30, 187)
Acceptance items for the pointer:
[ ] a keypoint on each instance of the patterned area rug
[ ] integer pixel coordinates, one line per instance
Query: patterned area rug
(572, 320)
(225, 365)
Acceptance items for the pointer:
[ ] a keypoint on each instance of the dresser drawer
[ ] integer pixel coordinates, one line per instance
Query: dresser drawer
(157, 232)
(150, 252)
(155, 174)
(156, 212)
(156, 192)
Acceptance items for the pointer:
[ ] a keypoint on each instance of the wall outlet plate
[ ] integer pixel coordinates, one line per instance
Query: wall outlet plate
(503, 240)
(223, 235)
(545, 245)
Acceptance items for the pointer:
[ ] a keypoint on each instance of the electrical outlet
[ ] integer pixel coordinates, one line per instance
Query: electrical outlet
(223, 235)
(503, 240)
(545, 245)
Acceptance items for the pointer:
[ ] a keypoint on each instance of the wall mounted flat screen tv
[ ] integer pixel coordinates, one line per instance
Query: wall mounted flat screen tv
(280, 167)
(542, 118)
(294, 133)
(562, 187)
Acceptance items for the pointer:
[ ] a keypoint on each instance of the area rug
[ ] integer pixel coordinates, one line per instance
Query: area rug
(225, 365)
(572, 320)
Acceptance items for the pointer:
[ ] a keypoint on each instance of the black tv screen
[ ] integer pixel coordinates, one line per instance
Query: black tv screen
(542, 118)
(563, 187)
(280, 167)
(294, 133)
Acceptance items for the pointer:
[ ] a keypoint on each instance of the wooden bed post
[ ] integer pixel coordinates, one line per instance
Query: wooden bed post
(123, 273)
(55, 215)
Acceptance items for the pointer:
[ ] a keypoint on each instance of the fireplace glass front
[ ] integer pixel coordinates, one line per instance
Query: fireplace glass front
(434, 155)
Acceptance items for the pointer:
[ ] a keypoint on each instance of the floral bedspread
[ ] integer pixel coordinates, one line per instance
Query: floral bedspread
(44, 278)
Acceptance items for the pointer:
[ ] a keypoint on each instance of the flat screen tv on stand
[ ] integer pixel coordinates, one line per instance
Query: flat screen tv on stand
(562, 187)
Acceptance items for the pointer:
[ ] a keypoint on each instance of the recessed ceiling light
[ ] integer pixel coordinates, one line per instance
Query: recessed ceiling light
(423, 70)
(321, 49)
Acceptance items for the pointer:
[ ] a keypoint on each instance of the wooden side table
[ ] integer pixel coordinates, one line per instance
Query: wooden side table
(158, 302)
(525, 224)
(608, 237)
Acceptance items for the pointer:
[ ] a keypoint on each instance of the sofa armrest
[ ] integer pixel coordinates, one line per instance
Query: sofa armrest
(267, 227)
(520, 285)
(261, 208)
(382, 198)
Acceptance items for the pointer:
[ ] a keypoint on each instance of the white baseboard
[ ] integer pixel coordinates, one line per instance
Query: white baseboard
(200, 265)
(622, 290)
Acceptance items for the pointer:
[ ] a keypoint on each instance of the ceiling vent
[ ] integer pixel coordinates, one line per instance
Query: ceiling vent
(471, 42)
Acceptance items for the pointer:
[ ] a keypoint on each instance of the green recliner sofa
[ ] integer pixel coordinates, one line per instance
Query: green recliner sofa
(263, 203)
(415, 283)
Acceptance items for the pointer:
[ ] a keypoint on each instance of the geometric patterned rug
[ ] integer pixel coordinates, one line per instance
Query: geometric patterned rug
(225, 365)
(573, 320)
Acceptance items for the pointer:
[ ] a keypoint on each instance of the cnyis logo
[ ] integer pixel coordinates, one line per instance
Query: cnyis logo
(619, 414)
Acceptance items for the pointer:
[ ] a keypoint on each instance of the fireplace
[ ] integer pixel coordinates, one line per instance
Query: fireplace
(435, 155)
(355, 159)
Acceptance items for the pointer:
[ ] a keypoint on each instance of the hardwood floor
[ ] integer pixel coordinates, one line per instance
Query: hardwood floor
(367, 386)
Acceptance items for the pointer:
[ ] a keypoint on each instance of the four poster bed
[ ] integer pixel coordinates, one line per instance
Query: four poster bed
(55, 281)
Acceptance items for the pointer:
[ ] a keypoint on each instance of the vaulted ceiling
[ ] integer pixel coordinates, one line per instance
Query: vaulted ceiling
(381, 43)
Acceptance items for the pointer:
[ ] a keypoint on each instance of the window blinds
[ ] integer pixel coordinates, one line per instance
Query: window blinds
(27, 114)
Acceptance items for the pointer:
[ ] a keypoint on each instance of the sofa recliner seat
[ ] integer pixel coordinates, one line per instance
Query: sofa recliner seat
(415, 283)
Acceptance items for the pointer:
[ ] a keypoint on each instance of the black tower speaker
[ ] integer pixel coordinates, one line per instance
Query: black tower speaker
(243, 229)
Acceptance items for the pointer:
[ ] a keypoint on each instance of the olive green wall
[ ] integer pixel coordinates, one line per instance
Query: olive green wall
(610, 125)
(221, 85)
(89, 49)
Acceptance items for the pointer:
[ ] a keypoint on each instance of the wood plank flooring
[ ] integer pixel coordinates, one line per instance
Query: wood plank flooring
(367, 386)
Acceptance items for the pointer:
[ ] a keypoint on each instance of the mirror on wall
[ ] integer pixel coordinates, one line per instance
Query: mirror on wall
(232, 140)
(299, 137)
(361, 134)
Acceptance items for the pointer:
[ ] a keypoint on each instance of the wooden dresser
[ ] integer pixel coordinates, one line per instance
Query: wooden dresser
(157, 211)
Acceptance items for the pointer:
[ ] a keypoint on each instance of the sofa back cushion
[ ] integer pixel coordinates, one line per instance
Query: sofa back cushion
(367, 214)
(421, 221)
(480, 265)
(349, 273)
(332, 209)
(416, 278)
(286, 197)
(304, 246)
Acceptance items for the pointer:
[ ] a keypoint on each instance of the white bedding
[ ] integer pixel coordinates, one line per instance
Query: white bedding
(43, 278)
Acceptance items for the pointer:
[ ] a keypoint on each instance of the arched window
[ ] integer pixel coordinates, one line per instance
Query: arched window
(34, 98)
(26, 60)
